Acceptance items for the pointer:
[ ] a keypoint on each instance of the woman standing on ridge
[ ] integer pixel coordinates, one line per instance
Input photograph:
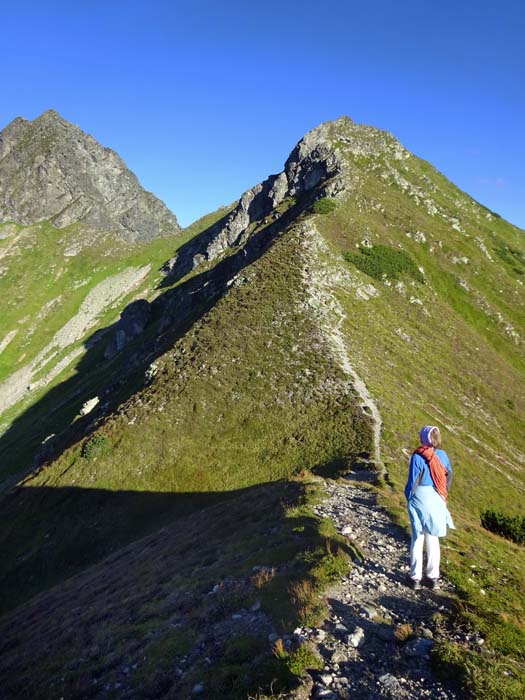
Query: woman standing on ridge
(426, 491)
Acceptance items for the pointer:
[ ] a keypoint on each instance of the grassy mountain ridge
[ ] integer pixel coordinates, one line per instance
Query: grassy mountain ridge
(406, 281)
(218, 415)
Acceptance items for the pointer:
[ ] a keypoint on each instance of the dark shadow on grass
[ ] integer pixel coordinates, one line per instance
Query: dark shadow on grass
(138, 575)
(355, 468)
(52, 424)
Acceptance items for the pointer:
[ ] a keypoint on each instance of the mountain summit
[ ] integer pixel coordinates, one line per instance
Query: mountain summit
(51, 170)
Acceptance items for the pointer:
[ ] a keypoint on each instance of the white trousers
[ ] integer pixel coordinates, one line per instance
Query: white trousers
(416, 556)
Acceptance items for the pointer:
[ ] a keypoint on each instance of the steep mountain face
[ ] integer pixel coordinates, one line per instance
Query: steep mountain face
(314, 326)
(51, 170)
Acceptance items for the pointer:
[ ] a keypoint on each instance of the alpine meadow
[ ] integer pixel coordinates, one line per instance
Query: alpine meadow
(205, 431)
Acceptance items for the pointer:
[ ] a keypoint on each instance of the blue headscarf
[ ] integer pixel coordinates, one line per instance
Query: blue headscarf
(424, 434)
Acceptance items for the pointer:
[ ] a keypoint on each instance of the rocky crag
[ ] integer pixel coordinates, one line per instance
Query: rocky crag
(80, 238)
(51, 170)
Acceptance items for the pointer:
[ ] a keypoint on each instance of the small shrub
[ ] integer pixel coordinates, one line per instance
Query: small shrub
(514, 258)
(404, 632)
(324, 206)
(382, 261)
(512, 527)
(302, 592)
(302, 658)
(309, 607)
(334, 566)
(297, 661)
(263, 576)
(95, 447)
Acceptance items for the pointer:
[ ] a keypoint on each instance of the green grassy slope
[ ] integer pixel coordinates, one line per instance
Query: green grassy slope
(48, 272)
(44, 288)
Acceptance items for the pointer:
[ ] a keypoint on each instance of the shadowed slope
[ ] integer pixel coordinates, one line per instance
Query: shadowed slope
(192, 602)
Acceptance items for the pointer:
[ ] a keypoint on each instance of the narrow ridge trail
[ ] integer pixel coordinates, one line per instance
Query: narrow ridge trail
(367, 653)
(321, 283)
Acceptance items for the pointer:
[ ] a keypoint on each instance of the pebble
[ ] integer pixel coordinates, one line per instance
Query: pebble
(339, 656)
(390, 683)
(370, 611)
(321, 692)
(357, 637)
(418, 647)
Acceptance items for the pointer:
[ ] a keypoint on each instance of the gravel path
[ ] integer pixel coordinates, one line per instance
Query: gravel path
(360, 642)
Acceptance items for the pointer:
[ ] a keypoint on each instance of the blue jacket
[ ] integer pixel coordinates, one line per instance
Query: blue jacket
(419, 473)
(427, 510)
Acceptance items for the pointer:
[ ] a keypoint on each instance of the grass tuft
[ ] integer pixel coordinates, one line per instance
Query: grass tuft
(324, 206)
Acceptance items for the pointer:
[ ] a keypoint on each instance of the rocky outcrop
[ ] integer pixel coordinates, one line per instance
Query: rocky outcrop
(314, 169)
(132, 322)
(52, 170)
(312, 163)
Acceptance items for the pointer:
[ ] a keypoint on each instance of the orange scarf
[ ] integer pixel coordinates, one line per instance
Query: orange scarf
(437, 471)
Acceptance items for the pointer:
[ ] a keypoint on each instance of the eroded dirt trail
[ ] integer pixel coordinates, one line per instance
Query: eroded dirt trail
(366, 655)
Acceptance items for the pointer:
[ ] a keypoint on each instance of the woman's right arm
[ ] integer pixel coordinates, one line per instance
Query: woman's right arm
(414, 472)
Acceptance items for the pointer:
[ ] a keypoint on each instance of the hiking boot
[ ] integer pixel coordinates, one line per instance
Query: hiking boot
(415, 584)
(433, 584)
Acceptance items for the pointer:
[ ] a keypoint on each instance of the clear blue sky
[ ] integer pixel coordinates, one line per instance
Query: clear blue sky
(204, 99)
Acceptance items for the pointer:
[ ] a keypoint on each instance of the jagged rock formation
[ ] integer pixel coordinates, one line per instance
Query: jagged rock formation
(52, 170)
(312, 164)
(313, 170)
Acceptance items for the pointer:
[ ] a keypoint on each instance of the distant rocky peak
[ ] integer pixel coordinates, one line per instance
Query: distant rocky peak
(51, 116)
(51, 170)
